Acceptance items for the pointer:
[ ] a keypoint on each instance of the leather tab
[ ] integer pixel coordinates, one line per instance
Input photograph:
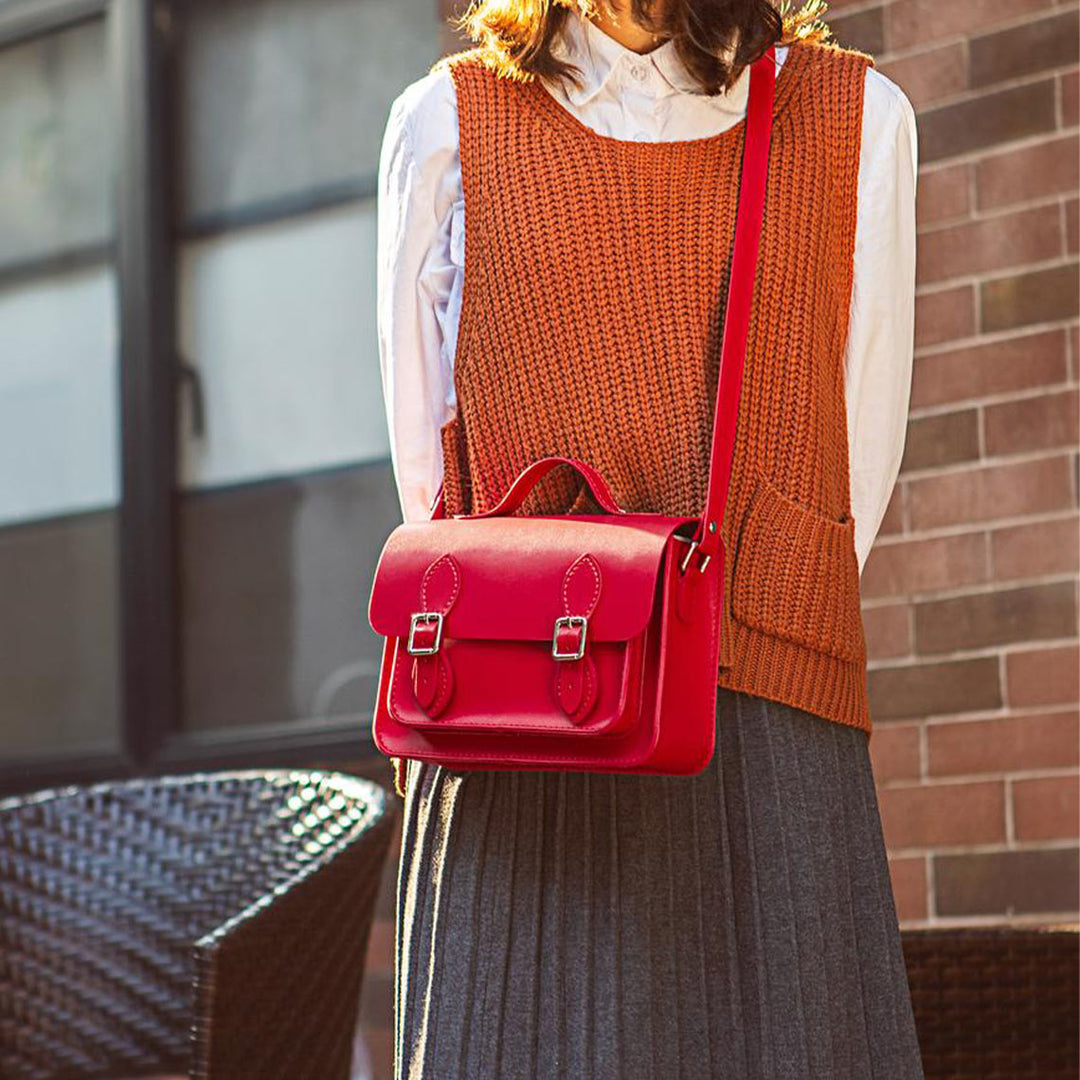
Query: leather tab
(575, 680)
(691, 585)
(575, 687)
(432, 675)
(441, 585)
(433, 682)
(686, 593)
(581, 587)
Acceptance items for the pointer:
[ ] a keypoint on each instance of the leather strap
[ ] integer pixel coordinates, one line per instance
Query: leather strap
(744, 256)
(529, 478)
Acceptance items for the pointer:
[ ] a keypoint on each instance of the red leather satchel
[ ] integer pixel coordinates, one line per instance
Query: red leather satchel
(573, 642)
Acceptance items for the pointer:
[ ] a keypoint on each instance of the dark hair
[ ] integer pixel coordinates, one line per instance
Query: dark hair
(714, 39)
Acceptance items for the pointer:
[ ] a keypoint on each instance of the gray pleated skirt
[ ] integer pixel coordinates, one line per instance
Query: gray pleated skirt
(734, 925)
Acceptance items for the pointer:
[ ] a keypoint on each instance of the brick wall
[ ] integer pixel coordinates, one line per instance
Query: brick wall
(970, 600)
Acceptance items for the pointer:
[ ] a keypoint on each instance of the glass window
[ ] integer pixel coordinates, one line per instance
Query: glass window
(284, 101)
(59, 414)
(56, 153)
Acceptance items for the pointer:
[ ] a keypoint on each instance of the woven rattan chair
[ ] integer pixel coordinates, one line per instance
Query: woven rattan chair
(996, 1003)
(209, 924)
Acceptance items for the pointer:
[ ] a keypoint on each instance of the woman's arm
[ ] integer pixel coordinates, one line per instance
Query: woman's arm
(881, 328)
(418, 185)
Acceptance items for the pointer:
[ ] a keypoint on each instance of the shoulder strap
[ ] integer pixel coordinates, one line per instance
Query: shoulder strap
(744, 257)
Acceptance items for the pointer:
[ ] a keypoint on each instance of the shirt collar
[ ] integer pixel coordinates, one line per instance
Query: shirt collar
(599, 56)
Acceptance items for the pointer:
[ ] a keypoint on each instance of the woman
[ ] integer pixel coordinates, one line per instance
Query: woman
(738, 923)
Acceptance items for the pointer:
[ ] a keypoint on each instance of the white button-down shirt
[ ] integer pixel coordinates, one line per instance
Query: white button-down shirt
(627, 95)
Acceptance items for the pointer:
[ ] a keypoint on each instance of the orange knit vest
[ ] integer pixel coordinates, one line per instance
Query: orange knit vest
(593, 294)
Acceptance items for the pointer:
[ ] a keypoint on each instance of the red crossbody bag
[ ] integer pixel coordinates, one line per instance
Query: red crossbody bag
(573, 642)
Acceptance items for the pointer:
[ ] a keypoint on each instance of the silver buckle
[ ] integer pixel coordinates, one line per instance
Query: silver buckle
(568, 621)
(692, 547)
(419, 618)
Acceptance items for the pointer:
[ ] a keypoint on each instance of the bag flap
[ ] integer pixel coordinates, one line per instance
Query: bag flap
(507, 577)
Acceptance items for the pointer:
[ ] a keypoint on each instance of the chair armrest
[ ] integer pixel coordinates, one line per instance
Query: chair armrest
(277, 986)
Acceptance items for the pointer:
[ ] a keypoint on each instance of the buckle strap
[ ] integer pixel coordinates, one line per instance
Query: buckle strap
(432, 675)
(576, 681)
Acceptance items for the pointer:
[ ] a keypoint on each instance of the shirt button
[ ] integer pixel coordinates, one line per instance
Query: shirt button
(638, 72)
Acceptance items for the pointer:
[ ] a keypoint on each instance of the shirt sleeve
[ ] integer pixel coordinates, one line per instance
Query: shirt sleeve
(880, 346)
(418, 186)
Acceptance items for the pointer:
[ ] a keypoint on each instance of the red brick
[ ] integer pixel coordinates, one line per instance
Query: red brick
(913, 691)
(914, 22)
(888, 631)
(1072, 227)
(909, 887)
(930, 75)
(1027, 173)
(1043, 676)
(943, 194)
(944, 316)
(998, 367)
(920, 566)
(1030, 550)
(1046, 808)
(1024, 49)
(1008, 616)
(1033, 297)
(1006, 883)
(1036, 423)
(941, 439)
(1005, 744)
(893, 520)
(894, 752)
(978, 123)
(939, 815)
(862, 30)
(997, 243)
(996, 491)
(1068, 85)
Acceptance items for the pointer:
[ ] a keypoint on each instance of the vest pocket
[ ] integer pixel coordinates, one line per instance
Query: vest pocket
(796, 575)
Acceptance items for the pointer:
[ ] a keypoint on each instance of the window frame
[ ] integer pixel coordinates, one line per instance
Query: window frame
(141, 73)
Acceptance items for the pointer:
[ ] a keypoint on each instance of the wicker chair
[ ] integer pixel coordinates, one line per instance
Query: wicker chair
(213, 924)
(996, 1003)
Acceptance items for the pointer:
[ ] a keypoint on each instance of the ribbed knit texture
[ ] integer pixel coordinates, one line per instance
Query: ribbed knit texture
(593, 295)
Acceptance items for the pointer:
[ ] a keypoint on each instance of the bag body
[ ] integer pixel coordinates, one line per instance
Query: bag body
(562, 642)
(575, 641)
